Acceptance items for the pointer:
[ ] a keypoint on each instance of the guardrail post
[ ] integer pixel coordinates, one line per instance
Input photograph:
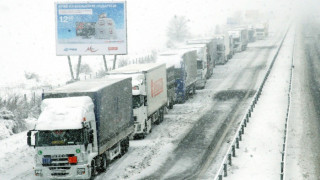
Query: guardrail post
(220, 177)
(240, 138)
(230, 159)
(242, 129)
(281, 166)
(281, 176)
(245, 122)
(237, 143)
(247, 117)
(225, 169)
(233, 151)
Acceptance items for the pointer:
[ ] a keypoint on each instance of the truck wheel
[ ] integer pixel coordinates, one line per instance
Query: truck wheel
(104, 163)
(194, 90)
(93, 169)
(161, 115)
(170, 104)
(145, 130)
(124, 146)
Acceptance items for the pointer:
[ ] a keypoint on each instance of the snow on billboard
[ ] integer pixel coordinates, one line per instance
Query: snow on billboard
(95, 28)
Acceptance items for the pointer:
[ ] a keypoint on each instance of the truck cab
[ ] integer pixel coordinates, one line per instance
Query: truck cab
(82, 127)
(139, 98)
(65, 138)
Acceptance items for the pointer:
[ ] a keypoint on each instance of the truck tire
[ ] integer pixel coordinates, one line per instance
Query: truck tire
(145, 131)
(161, 115)
(170, 104)
(104, 163)
(124, 146)
(93, 169)
(194, 90)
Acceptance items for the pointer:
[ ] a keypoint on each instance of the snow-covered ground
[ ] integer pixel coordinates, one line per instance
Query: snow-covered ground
(30, 46)
(259, 156)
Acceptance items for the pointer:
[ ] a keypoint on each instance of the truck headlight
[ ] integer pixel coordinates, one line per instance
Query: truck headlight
(38, 172)
(81, 171)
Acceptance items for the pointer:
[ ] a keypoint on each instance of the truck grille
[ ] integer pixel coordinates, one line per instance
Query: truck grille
(58, 164)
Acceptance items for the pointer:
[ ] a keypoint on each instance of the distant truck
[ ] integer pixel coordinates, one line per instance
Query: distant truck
(171, 86)
(212, 55)
(149, 94)
(261, 30)
(240, 38)
(185, 65)
(201, 63)
(82, 127)
(224, 50)
(251, 34)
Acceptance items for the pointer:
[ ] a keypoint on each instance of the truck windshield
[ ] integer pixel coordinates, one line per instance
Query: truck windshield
(136, 101)
(60, 137)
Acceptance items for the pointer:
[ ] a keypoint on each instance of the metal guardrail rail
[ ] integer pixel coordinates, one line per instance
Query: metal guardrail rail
(235, 143)
(284, 146)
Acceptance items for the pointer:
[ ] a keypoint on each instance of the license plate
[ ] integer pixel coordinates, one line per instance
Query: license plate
(59, 171)
(46, 160)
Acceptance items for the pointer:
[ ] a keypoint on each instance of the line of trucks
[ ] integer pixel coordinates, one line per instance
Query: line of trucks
(85, 125)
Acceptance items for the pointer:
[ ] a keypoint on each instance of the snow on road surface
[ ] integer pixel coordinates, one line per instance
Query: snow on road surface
(260, 150)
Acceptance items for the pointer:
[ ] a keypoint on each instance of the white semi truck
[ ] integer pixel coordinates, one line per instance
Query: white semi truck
(149, 94)
(82, 127)
(240, 38)
(185, 70)
(202, 67)
(261, 30)
(212, 55)
(224, 50)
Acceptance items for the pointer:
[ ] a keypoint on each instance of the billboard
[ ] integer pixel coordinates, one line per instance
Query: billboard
(91, 28)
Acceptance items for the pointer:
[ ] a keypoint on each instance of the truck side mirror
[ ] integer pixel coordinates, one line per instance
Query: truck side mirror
(29, 140)
(91, 136)
(145, 101)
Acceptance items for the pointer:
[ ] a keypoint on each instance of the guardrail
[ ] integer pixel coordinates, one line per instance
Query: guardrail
(235, 143)
(284, 146)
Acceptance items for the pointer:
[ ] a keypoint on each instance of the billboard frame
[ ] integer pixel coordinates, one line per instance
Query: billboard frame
(71, 49)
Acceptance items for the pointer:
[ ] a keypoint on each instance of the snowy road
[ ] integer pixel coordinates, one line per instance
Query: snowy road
(186, 144)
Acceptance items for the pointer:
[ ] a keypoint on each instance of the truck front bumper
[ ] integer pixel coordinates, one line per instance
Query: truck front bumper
(68, 172)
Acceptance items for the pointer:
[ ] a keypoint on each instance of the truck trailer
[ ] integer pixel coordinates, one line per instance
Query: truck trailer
(240, 38)
(171, 88)
(212, 56)
(185, 64)
(82, 127)
(224, 49)
(149, 94)
(202, 67)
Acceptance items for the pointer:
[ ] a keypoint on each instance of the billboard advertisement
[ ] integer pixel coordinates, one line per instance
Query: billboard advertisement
(91, 28)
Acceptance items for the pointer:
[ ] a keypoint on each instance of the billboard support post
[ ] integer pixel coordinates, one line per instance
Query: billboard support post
(78, 68)
(114, 62)
(105, 63)
(70, 66)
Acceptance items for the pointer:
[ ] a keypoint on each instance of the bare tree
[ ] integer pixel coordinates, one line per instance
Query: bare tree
(178, 29)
